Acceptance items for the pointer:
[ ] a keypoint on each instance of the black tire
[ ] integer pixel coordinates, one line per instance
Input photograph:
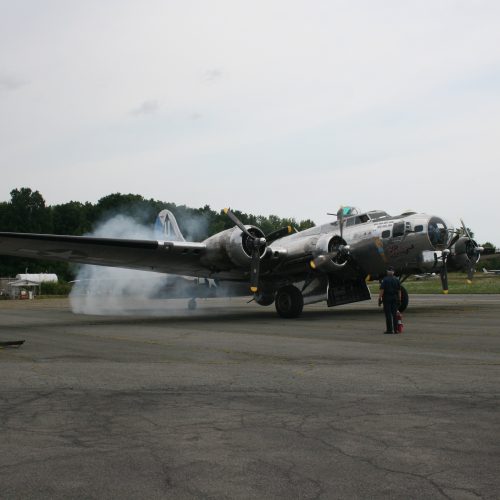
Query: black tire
(192, 304)
(404, 300)
(289, 302)
(264, 299)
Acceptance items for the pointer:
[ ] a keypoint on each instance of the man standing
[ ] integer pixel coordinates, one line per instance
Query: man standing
(390, 296)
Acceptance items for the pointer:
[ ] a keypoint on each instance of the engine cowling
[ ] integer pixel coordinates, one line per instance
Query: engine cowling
(464, 253)
(330, 253)
(328, 243)
(231, 248)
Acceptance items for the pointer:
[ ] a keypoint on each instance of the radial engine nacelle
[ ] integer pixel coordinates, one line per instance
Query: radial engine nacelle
(232, 247)
(466, 253)
(330, 254)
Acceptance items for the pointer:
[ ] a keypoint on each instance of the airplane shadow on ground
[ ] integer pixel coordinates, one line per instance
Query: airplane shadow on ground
(212, 315)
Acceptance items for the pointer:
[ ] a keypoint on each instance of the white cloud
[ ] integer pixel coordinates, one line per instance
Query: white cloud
(9, 82)
(146, 108)
(284, 107)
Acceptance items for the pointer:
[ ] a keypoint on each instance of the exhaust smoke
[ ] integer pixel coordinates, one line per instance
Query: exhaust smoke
(103, 290)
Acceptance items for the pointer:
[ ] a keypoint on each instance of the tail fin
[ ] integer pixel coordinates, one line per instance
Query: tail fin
(166, 227)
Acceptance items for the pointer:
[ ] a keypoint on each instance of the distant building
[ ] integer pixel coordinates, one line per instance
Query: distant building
(29, 285)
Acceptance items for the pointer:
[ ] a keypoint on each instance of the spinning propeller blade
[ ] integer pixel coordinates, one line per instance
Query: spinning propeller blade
(466, 230)
(444, 270)
(237, 222)
(341, 222)
(254, 270)
(342, 251)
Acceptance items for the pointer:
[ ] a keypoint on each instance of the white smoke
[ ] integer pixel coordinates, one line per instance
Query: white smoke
(108, 290)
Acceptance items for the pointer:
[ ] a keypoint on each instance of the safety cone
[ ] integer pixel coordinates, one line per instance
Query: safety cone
(399, 326)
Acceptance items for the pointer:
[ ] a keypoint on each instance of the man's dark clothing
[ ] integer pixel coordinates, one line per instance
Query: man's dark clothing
(392, 290)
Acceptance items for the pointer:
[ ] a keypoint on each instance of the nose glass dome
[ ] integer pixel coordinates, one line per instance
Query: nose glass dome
(437, 231)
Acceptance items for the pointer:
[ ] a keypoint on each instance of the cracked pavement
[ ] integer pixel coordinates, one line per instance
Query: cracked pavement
(232, 401)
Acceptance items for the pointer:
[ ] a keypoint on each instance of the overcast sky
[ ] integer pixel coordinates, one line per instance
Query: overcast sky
(284, 107)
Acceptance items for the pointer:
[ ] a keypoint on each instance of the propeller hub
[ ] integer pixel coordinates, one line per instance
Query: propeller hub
(253, 241)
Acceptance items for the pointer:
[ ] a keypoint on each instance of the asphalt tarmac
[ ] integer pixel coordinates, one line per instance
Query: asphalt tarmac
(233, 402)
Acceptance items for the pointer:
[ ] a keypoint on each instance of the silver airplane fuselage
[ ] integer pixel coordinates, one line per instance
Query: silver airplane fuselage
(409, 242)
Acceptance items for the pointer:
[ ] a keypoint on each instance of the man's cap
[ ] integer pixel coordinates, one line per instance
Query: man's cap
(390, 269)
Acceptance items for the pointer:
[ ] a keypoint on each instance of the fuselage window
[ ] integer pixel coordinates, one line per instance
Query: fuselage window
(386, 234)
(419, 228)
(398, 229)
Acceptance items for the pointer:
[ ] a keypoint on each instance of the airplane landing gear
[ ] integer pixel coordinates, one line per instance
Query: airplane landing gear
(289, 302)
(192, 305)
(264, 299)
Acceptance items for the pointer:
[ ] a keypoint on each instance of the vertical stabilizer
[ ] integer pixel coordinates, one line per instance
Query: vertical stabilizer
(166, 227)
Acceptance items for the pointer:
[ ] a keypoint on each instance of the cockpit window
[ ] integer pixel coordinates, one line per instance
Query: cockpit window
(346, 212)
(359, 219)
(437, 231)
(377, 214)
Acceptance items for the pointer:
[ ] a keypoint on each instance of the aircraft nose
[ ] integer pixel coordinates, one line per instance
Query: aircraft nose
(437, 231)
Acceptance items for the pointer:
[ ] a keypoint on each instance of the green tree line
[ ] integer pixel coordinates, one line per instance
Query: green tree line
(27, 212)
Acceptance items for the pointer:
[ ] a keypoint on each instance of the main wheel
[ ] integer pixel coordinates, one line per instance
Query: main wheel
(264, 299)
(289, 302)
(404, 299)
(192, 304)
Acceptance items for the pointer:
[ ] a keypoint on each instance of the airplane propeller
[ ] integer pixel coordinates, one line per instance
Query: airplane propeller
(339, 254)
(341, 222)
(473, 251)
(443, 274)
(255, 243)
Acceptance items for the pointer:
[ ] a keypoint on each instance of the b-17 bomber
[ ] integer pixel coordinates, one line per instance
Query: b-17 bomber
(331, 262)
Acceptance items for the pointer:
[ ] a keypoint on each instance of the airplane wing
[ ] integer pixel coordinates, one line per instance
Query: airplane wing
(173, 257)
